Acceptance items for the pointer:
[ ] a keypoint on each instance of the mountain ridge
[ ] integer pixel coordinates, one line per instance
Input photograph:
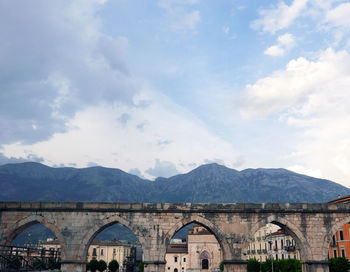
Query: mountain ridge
(31, 181)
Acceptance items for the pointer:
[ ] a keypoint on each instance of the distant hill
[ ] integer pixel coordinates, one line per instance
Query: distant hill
(207, 183)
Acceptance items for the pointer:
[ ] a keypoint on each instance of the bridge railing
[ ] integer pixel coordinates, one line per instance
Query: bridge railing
(13, 258)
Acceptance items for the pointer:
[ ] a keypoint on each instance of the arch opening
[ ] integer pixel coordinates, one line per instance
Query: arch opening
(31, 245)
(114, 242)
(339, 241)
(193, 247)
(272, 242)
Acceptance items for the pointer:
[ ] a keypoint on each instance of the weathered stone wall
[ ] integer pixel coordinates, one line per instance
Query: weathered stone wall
(76, 225)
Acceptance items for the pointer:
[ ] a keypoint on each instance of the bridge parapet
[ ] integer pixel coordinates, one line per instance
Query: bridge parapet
(177, 207)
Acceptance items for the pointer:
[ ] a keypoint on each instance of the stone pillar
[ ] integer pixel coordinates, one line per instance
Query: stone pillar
(154, 266)
(235, 266)
(73, 266)
(315, 266)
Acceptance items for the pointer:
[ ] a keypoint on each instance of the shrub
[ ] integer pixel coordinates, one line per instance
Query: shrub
(253, 265)
(113, 266)
(141, 267)
(93, 265)
(339, 265)
(102, 265)
(222, 266)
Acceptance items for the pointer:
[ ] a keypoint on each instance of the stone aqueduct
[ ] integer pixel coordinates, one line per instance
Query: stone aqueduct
(76, 224)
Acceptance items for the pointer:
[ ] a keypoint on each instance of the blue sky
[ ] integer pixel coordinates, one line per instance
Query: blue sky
(157, 88)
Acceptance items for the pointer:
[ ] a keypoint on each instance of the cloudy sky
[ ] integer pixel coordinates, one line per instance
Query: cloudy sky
(157, 88)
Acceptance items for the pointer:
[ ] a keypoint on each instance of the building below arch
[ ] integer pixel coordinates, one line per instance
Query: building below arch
(122, 252)
(199, 252)
(271, 241)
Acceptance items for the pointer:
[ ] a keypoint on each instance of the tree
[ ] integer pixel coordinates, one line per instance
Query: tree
(141, 267)
(93, 265)
(253, 265)
(339, 265)
(113, 265)
(222, 266)
(102, 265)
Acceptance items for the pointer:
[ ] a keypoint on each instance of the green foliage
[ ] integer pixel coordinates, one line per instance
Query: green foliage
(253, 265)
(93, 265)
(339, 265)
(222, 266)
(287, 265)
(141, 267)
(102, 265)
(113, 265)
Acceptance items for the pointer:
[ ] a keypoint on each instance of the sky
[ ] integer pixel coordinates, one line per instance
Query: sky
(157, 88)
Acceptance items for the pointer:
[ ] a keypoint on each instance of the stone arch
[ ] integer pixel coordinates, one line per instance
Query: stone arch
(289, 227)
(339, 222)
(26, 222)
(106, 222)
(220, 237)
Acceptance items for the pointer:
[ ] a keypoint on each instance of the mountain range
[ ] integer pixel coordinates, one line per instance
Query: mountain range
(208, 183)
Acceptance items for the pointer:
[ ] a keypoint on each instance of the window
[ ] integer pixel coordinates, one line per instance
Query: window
(341, 236)
(182, 268)
(282, 244)
(101, 252)
(333, 239)
(276, 246)
(94, 253)
(168, 267)
(343, 252)
(175, 259)
(114, 250)
(184, 259)
(276, 256)
(282, 256)
(335, 253)
(175, 269)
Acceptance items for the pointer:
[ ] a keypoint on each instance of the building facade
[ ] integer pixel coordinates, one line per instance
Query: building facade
(271, 241)
(199, 252)
(101, 250)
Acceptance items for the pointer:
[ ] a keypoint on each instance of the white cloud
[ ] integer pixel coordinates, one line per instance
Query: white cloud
(285, 42)
(300, 79)
(280, 17)
(339, 16)
(169, 134)
(163, 169)
(274, 51)
(313, 98)
(55, 61)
